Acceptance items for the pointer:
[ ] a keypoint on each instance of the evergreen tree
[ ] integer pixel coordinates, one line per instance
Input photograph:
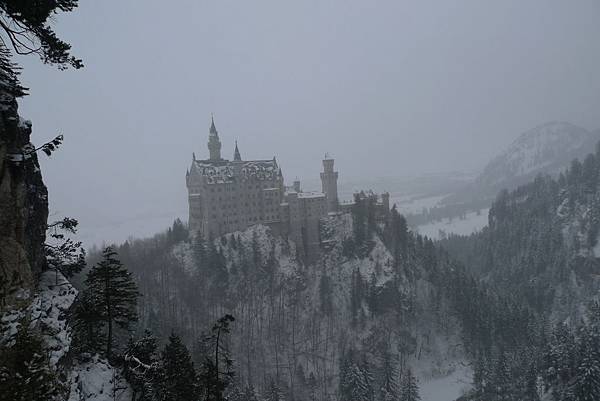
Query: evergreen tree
(177, 379)
(273, 392)
(586, 386)
(26, 28)
(356, 382)
(114, 294)
(249, 394)
(410, 388)
(389, 390)
(25, 373)
(87, 324)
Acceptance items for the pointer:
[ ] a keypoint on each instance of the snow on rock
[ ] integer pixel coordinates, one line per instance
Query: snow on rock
(97, 380)
(377, 265)
(48, 312)
(10, 322)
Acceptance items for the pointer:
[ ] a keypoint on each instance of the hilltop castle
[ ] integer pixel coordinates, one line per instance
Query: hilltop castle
(230, 195)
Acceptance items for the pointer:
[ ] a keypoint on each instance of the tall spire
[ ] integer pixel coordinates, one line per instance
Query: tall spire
(214, 144)
(213, 129)
(236, 153)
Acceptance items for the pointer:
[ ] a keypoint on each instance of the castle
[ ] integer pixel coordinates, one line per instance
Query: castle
(231, 195)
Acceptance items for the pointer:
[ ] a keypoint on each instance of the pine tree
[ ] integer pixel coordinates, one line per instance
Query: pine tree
(249, 394)
(389, 390)
(87, 324)
(273, 392)
(586, 386)
(25, 373)
(114, 294)
(410, 388)
(356, 381)
(355, 384)
(27, 29)
(177, 379)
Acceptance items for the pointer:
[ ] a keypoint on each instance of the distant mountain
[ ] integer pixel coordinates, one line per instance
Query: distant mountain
(548, 148)
(545, 149)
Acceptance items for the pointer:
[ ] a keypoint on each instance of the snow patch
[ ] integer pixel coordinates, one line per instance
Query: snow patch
(474, 221)
(447, 388)
(48, 311)
(97, 380)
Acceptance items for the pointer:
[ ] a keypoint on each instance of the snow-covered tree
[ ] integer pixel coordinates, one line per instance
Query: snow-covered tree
(389, 389)
(140, 367)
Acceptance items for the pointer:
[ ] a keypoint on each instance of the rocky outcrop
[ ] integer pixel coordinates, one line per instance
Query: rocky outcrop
(23, 204)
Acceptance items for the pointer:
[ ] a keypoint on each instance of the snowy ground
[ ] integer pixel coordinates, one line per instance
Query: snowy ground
(413, 204)
(447, 388)
(473, 222)
(97, 380)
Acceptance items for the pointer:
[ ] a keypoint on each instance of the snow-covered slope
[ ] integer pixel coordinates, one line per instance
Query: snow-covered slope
(305, 318)
(46, 313)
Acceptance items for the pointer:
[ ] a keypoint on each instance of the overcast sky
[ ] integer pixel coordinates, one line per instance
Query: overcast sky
(387, 87)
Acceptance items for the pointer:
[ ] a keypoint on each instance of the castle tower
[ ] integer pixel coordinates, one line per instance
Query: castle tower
(214, 144)
(329, 184)
(385, 201)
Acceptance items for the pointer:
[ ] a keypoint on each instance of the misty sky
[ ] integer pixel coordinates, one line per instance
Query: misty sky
(387, 87)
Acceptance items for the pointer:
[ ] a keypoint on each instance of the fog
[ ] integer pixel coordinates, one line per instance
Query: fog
(389, 88)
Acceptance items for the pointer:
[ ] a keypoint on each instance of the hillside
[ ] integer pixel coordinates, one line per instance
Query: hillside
(541, 243)
(295, 321)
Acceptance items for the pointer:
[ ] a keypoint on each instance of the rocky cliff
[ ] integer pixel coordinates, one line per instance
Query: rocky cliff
(23, 203)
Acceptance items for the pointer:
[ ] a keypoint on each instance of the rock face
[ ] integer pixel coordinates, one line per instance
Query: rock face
(23, 204)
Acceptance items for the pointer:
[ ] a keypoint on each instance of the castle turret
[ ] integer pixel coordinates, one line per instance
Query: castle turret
(329, 184)
(214, 144)
(236, 153)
